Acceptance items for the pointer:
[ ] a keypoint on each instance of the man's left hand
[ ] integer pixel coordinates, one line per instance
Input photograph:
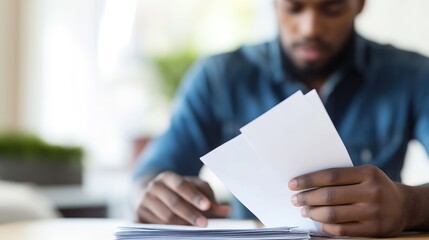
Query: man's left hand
(357, 201)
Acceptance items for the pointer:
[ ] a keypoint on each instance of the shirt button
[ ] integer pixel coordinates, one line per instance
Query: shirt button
(366, 155)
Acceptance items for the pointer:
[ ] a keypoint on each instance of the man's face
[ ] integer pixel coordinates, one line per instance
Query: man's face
(313, 32)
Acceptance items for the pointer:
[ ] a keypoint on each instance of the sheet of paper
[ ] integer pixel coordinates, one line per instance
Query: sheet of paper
(297, 137)
(225, 223)
(222, 223)
(293, 138)
(256, 185)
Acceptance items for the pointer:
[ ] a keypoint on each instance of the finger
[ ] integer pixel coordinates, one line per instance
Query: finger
(203, 187)
(336, 214)
(162, 212)
(220, 210)
(144, 215)
(328, 196)
(216, 209)
(187, 191)
(179, 206)
(328, 177)
(353, 229)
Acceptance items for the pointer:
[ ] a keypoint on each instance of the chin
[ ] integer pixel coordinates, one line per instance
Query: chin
(313, 65)
(312, 68)
(313, 71)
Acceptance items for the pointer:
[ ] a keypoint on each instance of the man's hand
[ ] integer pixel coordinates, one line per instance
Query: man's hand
(357, 201)
(173, 199)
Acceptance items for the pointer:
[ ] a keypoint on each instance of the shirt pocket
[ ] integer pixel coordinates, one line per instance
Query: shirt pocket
(371, 150)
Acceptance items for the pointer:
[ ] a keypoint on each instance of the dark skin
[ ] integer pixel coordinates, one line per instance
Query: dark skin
(361, 201)
(313, 32)
(357, 201)
(173, 199)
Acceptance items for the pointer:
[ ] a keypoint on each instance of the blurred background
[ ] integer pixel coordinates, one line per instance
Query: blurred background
(87, 83)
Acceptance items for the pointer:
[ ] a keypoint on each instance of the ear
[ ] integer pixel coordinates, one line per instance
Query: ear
(275, 5)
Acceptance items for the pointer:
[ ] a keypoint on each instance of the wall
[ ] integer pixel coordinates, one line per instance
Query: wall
(9, 21)
(398, 22)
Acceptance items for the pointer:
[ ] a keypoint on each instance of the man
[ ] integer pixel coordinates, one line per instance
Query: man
(374, 94)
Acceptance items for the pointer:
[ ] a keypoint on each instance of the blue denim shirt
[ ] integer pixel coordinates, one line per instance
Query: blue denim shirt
(378, 104)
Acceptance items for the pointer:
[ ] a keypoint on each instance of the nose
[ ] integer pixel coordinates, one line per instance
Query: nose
(309, 24)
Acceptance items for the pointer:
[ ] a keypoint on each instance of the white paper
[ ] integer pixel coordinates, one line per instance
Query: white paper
(212, 224)
(229, 230)
(256, 185)
(293, 138)
(297, 137)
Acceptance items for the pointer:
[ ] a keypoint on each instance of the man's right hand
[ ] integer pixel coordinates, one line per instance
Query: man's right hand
(173, 199)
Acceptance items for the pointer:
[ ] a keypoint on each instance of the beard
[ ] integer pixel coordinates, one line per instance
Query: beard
(343, 57)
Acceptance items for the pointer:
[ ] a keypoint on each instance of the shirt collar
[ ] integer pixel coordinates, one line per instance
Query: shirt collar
(360, 54)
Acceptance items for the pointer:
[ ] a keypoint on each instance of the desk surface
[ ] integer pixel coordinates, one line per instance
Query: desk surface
(61, 229)
(90, 229)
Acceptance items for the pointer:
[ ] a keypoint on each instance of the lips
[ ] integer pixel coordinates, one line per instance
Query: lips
(309, 54)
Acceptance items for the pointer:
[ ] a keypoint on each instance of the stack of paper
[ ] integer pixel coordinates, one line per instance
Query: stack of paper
(293, 138)
(152, 231)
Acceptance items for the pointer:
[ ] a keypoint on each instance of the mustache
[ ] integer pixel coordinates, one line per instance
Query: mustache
(318, 42)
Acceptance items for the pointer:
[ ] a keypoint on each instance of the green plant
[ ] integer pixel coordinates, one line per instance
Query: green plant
(29, 148)
(172, 68)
